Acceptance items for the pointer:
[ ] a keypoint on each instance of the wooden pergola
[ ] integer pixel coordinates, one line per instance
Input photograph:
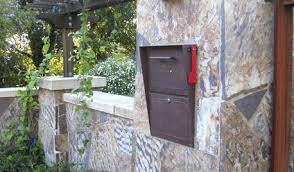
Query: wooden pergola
(282, 84)
(63, 14)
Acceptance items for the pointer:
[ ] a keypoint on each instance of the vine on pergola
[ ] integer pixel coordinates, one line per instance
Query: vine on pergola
(64, 14)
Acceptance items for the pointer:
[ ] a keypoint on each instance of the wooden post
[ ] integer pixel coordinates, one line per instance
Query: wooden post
(67, 53)
(282, 85)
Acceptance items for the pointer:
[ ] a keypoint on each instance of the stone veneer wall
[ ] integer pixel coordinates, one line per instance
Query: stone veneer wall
(9, 111)
(52, 126)
(233, 109)
(111, 139)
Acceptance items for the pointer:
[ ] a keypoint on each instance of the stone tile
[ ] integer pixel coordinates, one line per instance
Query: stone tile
(147, 154)
(140, 107)
(249, 42)
(241, 148)
(62, 125)
(53, 98)
(4, 104)
(178, 158)
(11, 113)
(61, 110)
(248, 105)
(110, 141)
(61, 142)
(47, 131)
(261, 122)
(207, 132)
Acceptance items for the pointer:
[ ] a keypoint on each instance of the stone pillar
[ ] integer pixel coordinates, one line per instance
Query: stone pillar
(52, 116)
(233, 92)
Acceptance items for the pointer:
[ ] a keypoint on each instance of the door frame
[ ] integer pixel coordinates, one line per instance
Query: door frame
(282, 85)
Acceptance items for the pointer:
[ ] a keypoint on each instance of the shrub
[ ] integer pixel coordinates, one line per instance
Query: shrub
(120, 74)
(10, 68)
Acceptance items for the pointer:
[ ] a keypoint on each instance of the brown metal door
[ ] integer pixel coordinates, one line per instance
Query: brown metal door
(170, 99)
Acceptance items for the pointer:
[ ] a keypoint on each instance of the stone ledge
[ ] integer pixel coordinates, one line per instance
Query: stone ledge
(55, 83)
(121, 106)
(12, 91)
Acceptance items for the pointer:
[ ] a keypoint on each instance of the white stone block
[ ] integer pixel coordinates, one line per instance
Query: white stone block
(13, 91)
(67, 83)
(122, 106)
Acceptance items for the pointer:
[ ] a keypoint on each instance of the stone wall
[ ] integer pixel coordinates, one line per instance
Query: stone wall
(9, 111)
(115, 145)
(111, 139)
(233, 109)
(52, 125)
(10, 108)
(233, 96)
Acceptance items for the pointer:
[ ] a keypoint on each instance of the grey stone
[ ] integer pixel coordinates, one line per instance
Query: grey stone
(4, 104)
(248, 105)
(248, 42)
(207, 132)
(147, 153)
(61, 143)
(261, 122)
(110, 141)
(243, 150)
(178, 158)
(10, 114)
(61, 110)
(47, 131)
(62, 125)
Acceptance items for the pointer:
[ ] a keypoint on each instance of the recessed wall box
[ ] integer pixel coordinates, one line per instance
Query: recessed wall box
(169, 77)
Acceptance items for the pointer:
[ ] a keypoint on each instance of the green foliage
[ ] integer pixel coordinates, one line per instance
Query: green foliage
(14, 23)
(55, 66)
(115, 30)
(18, 143)
(20, 149)
(13, 20)
(86, 59)
(120, 74)
(11, 68)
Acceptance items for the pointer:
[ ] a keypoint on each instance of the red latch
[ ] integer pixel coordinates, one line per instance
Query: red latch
(192, 77)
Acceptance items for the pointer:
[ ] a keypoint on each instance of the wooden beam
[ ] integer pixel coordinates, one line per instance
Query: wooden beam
(67, 53)
(92, 5)
(282, 86)
(69, 21)
(289, 2)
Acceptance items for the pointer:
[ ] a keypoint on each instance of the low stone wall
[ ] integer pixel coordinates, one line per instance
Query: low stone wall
(9, 106)
(52, 119)
(116, 143)
(111, 141)
(9, 111)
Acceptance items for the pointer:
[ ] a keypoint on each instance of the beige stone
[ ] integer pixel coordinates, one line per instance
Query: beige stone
(13, 91)
(67, 83)
(122, 106)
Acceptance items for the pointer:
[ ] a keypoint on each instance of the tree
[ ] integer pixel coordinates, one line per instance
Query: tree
(115, 30)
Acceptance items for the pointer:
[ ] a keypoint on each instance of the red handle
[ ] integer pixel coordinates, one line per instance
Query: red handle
(192, 77)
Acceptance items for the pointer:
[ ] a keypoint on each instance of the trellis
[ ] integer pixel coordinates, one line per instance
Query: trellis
(63, 14)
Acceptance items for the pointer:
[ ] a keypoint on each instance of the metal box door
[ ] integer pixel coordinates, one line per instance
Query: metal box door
(170, 98)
